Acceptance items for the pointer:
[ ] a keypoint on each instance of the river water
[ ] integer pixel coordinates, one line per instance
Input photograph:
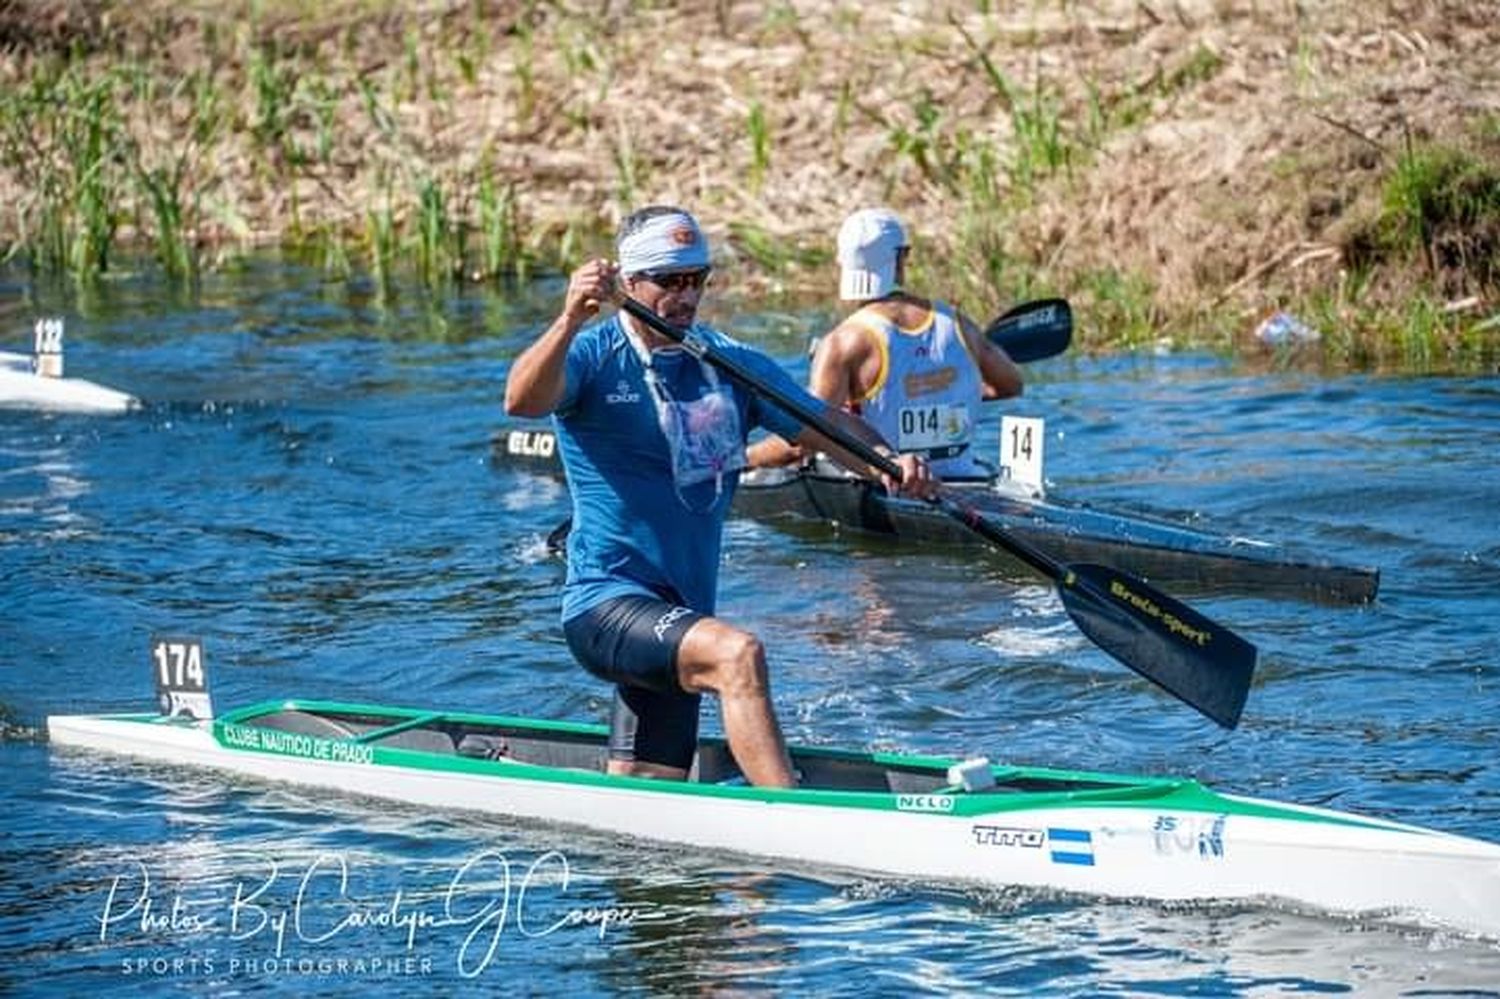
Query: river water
(311, 488)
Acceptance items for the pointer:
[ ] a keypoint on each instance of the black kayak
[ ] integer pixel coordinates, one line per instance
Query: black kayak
(1165, 553)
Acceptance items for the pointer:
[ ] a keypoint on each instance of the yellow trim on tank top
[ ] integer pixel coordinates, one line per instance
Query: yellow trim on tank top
(862, 321)
(921, 327)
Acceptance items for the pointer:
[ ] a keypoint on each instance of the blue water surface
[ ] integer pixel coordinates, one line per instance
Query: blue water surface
(312, 487)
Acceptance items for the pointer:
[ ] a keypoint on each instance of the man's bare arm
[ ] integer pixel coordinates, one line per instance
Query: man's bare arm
(1001, 376)
(830, 380)
(916, 475)
(538, 377)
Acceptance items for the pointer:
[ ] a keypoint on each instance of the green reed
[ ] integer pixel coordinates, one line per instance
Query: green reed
(273, 85)
(323, 100)
(164, 189)
(1444, 204)
(920, 140)
(1418, 333)
(94, 185)
(760, 145)
(982, 225)
(411, 77)
(499, 227)
(435, 259)
(472, 47)
(61, 131)
(380, 116)
(629, 166)
(381, 238)
(1041, 149)
(1121, 306)
(524, 70)
(1040, 143)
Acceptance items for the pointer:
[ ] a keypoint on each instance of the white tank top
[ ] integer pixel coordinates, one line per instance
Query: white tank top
(925, 399)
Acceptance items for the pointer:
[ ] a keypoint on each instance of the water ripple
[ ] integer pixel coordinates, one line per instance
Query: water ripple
(310, 488)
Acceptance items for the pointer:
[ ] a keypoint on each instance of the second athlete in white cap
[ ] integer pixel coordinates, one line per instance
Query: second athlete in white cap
(872, 244)
(913, 368)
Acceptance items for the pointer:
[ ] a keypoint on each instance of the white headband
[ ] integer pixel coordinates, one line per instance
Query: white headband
(664, 243)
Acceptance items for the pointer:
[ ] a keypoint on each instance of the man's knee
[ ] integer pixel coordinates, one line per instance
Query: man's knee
(742, 667)
(736, 667)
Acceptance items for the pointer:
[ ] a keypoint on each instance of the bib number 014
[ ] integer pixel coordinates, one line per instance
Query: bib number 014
(181, 685)
(940, 430)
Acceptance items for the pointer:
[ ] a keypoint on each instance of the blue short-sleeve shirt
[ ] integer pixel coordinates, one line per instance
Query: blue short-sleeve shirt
(632, 532)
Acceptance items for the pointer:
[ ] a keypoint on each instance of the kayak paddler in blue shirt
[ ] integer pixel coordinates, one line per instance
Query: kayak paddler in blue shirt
(653, 440)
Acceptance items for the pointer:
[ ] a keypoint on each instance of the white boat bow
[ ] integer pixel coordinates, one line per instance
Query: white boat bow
(35, 381)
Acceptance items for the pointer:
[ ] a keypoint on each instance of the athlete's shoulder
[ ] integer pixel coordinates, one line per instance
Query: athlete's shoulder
(858, 335)
(598, 340)
(724, 343)
(603, 330)
(901, 312)
(717, 337)
(867, 319)
(953, 309)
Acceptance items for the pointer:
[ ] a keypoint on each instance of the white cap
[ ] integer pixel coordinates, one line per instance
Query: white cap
(868, 244)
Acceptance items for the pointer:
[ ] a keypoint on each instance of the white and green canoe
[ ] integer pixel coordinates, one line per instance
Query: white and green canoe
(907, 816)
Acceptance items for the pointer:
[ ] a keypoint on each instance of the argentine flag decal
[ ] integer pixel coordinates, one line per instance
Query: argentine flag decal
(1071, 846)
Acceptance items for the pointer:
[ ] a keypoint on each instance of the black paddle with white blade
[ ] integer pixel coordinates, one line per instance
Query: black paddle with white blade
(1190, 656)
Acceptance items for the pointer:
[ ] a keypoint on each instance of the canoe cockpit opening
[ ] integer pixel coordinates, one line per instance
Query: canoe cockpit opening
(444, 735)
(569, 749)
(463, 736)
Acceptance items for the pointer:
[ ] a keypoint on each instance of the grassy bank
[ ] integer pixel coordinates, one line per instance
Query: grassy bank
(1179, 170)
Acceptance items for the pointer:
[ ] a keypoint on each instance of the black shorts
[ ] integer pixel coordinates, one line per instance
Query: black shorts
(632, 642)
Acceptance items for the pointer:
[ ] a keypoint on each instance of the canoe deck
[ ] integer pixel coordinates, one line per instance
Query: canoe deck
(1166, 554)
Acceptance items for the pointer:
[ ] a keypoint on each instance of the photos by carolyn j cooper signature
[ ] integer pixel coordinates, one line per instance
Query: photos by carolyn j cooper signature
(486, 895)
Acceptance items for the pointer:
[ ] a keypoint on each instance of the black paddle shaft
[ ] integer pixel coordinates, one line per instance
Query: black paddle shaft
(794, 405)
(1190, 656)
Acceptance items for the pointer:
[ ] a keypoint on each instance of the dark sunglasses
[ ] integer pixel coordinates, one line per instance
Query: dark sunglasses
(677, 280)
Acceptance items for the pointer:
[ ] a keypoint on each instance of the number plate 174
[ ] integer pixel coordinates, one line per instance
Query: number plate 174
(181, 687)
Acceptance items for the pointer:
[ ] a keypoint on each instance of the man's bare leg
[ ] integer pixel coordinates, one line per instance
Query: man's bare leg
(731, 663)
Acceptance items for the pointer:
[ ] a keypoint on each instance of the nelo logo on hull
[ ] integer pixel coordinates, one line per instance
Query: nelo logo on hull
(924, 803)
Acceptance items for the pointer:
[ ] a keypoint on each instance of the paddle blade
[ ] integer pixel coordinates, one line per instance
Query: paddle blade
(1185, 653)
(1033, 331)
(557, 538)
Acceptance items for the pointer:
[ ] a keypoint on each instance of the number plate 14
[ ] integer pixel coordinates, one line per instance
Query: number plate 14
(1021, 440)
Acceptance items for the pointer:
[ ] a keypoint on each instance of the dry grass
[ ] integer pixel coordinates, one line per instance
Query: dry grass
(1176, 166)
